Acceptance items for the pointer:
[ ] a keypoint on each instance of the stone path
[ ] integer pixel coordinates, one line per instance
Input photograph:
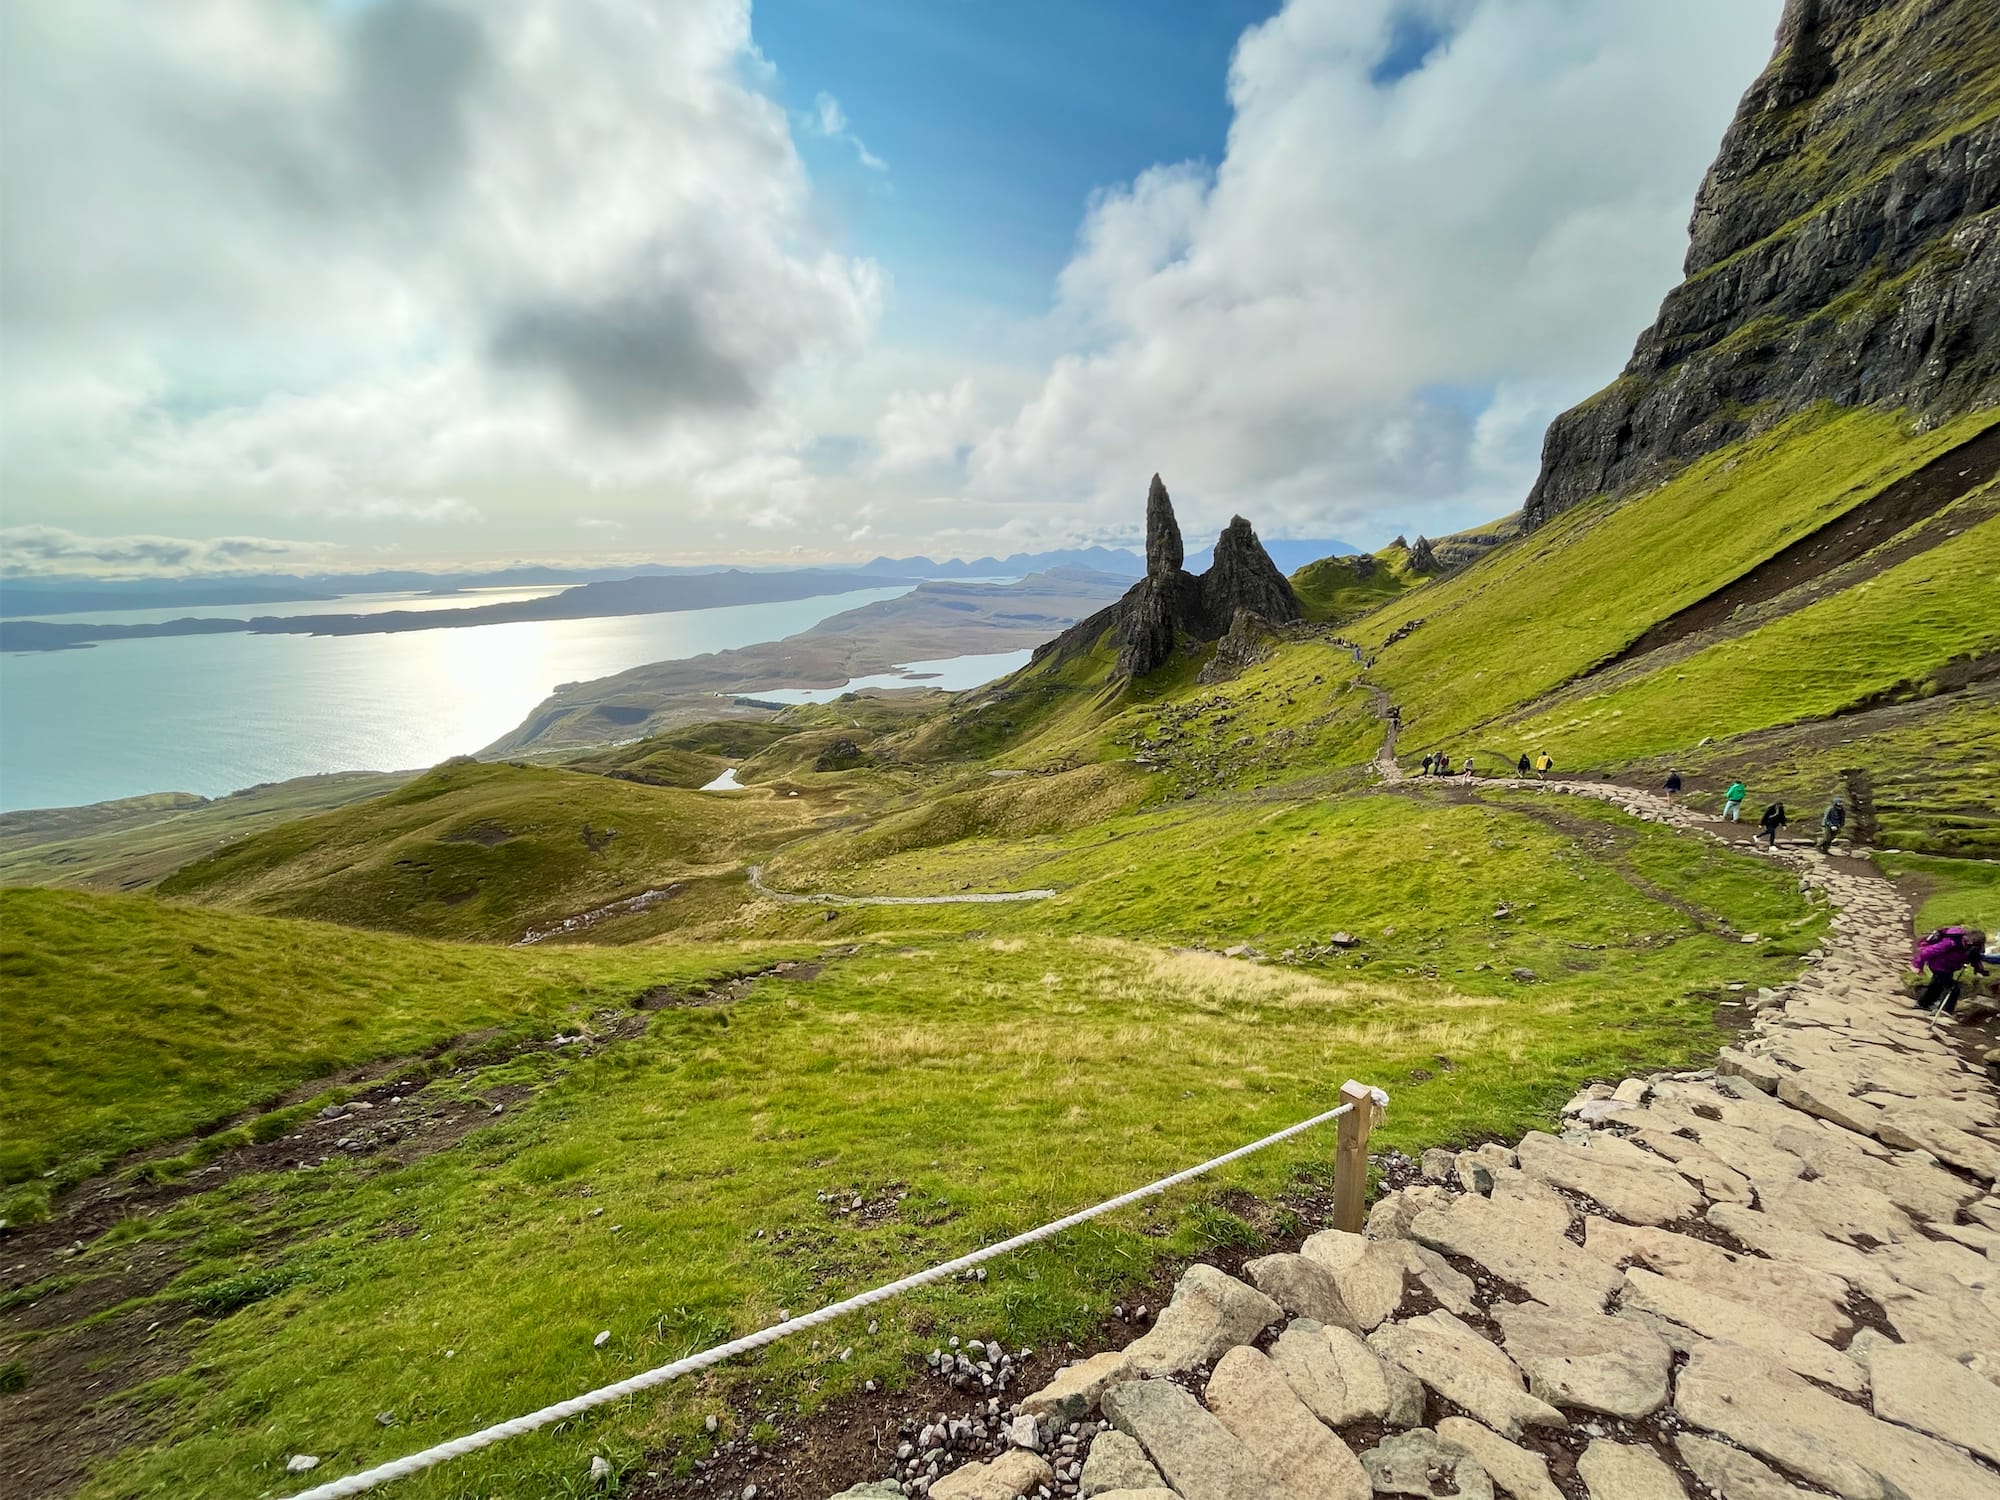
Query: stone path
(1775, 1279)
(827, 898)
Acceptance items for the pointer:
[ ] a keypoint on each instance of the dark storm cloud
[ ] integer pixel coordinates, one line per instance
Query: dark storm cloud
(413, 65)
(628, 361)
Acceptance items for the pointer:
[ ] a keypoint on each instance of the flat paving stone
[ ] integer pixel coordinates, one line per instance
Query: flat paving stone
(1304, 1288)
(1419, 1463)
(1339, 1378)
(1518, 1250)
(1016, 1472)
(1625, 1471)
(1249, 1396)
(1117, 1462)
(1812, 1300)
(1194, 1452)
(1761, 1406)
(1514, 1471)
(1586, 1360)
(1933, 1394)
(1732, 1473)
(1464, 1367)
(1628, 1183)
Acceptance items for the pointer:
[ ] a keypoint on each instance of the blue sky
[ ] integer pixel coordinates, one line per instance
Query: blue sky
(356, 282)
(996, 122)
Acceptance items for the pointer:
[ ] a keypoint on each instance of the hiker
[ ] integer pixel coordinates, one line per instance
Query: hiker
(1427, 764)
(1522, 765)
(1944, 952)
(1732, 801)
(1774, 818)
(1830, 823)
(1544, 765)
(1468, 767)
(1673, 784)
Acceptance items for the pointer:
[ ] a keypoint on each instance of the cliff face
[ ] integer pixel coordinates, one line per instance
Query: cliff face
(1171, 604)
(1844, 247)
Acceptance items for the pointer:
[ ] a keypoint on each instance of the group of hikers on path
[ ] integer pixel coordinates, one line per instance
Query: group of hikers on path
(1941, 954)
(1439, 764)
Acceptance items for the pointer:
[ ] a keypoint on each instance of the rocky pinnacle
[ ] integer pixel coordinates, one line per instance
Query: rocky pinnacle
(1164, 554)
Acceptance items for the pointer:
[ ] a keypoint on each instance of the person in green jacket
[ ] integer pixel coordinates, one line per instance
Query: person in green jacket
(1732, 801)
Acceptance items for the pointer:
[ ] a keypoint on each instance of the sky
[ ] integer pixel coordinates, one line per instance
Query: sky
(332, 283)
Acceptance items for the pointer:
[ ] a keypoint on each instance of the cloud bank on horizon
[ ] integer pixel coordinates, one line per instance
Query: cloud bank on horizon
(508, 277)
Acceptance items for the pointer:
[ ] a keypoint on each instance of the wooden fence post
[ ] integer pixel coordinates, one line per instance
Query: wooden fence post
(1350, 1162)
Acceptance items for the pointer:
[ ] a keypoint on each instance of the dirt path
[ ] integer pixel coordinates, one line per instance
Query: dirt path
(827, 898)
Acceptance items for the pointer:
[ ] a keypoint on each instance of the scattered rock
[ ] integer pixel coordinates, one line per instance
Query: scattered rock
(1072, 1394)
(1454, 1360)
(1117, 1462)
(1369, 1274)
(301, 1463)
(1302, 1287)
(1198, 1456)
(1017, 1472)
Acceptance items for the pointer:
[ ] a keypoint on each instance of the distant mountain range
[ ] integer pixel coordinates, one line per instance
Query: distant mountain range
(71, 594)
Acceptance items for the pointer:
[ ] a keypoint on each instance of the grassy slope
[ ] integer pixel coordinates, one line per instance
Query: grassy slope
(485, 851)
(130, 1022)
(1547, 607)
(999, 1065)
(1336, 589)
(1887, 636)
(131, 843)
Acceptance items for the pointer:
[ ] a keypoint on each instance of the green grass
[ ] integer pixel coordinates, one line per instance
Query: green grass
(1334, 589)
(1956, 892)
(1887, 637)
(996, 1066)
(130, 1022)
(487, 851)
(1541, 610)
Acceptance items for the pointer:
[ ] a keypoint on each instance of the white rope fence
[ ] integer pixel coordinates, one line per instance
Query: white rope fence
(368, 1479)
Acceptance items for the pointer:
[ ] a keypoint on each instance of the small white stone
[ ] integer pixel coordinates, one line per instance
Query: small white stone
(301, 1463)
(601, 1340)
(600, 1470)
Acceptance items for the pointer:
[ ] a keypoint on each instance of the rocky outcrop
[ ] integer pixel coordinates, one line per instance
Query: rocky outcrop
(1170, 604)
(1844, 247)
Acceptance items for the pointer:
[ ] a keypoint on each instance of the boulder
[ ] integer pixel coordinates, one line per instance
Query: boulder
(1199, 1457)
(1302, 1287)
(1072, 1394)
(1368, 1275)
(1211, 1313)
(1249, 1396)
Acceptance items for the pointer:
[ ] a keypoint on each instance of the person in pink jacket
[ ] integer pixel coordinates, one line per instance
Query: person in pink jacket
(1944, 952)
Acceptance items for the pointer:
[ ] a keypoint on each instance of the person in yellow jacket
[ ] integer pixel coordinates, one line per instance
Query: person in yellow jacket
(1544, 765)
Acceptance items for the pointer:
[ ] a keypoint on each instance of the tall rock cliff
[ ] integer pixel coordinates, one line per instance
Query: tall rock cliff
(1170, 604)
(1844, 247)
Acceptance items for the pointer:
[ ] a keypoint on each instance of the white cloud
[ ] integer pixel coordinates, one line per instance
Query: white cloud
(290, 255)
(830, 120)
(1373, 305)
(922, 429)
(26, 551)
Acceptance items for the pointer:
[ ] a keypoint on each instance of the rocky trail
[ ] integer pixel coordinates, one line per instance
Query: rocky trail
(1770, 1280)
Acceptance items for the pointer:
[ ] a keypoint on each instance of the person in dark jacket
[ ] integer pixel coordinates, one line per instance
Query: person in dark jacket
(1830, 823)
(1522, 765)
(1427, 763)
(1774, 818)
(1944, 952)
(1673, 785)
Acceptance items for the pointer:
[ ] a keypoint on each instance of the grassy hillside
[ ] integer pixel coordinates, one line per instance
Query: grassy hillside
(130, 1022)
(1335, 589)
(668, 1188)
(486, 851)
(129, 844)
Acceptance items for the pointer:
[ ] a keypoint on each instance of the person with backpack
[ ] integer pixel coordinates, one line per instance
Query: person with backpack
(1673, 784)
(1543, 765)
(1468, 767)
(1732, 802)
(1944, 952)
(1773, 821)
(1427, 762)
(1522, 765)
(1830, 823)
(1774, 818)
